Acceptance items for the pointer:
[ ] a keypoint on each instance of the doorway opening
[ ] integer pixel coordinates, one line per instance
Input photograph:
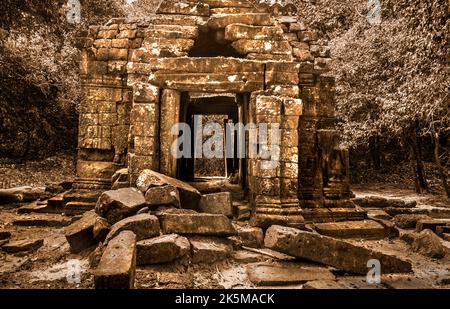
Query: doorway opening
(207, 114)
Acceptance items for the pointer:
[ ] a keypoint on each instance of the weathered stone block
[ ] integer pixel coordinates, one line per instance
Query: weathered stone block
(317, 248)
(80, 234)
(256, 19)
(235, 32)
(216, 203)
(115, 205)
(117, 266)
(189, 196)
(163, 195)
(244, 46)
(197, 224)
(183, 8)
(209, 250)
(143, 226)
(162, 249)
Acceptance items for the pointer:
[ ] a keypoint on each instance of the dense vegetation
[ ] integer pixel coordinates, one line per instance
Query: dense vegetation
(392, 79)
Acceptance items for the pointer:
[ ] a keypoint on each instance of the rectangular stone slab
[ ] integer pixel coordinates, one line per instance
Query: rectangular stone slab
(238, 31)
(245, 46)
(197, 224)
(366, 229)
(256, 19)
(183, 8)
(286, 273)
(117, 266)
(197, 65)
(329, 251)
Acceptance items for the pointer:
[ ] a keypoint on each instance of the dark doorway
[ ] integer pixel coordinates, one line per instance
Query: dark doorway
(220, 109)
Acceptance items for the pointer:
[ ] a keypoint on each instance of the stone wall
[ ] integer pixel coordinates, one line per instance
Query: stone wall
(136, 71)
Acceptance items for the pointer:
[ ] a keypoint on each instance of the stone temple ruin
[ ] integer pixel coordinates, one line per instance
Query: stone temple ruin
(251, 63)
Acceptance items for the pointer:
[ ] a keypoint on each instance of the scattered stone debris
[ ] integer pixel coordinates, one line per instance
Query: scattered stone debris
(428, 243)
(381, 202)
(364, 229)
(162, 249)
(117, 266)
(101, 229)
(408, 221)
(329, 251)
(46, 220)
(163, 195)
(189, 196)
(250, 236)
(217, 203)
(80, 234)
(143, 226)
(430, 224)
(116, 205)
(323, 284)
(286, 273)
(197, 224)
(209, 250)
(20, 245)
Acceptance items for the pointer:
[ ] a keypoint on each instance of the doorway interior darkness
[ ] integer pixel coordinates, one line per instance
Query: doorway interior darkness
(223, 107)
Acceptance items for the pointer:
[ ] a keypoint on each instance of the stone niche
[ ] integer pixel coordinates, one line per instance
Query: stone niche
(252, 63)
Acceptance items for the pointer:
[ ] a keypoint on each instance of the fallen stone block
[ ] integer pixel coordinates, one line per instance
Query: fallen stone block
(250, 236)
(381, 202)
(43, 221)
(405, 282)
(408, 221)
(143, 226)
(365, 229)
(189, 196)
(116, 205)
(430, 224)
(329, 251)
(80, 234)
(244, 256)
(445, 236)
(117, 266)
(209, 250)
(323, 284)
(164, 195)
(429, 244)
(101, 229)
(217, 203)
(13, 195)
(39, 207)
(286, 273)
(78, 208)
(162, 249)
(21, 245)
(197, 224)
(378, 214)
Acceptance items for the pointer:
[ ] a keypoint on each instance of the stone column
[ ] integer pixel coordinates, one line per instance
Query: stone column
(275, 190)
(144, 130)
(170, 116)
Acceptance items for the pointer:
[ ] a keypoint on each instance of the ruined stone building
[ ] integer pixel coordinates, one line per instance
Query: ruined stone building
(254, 64)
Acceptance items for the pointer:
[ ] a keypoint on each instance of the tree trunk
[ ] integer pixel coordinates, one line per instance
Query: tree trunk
(419, 174)
(441, 169)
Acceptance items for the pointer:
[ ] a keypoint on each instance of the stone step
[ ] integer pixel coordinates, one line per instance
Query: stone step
(320, 215)
(241, 211)
(43, 220)
(40, 208)
(364, 229)
(77, 208)
(21, 245)
(431, 224)
(87, 196)
(264, 274)
(56, 201)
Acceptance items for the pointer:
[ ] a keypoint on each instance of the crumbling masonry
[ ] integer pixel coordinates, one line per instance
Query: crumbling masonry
(257, 64)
